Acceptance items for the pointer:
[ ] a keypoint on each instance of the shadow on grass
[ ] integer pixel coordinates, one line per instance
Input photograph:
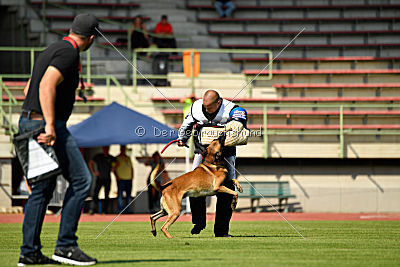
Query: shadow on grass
(143, 260)
(239, 236)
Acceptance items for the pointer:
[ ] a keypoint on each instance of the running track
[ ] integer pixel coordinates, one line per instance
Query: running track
(267, 216)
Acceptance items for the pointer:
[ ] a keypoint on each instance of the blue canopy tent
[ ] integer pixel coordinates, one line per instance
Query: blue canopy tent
(116, 124)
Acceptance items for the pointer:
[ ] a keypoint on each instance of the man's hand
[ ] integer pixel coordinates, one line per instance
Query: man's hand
(47, 97)
(181, 143)
(49, 135)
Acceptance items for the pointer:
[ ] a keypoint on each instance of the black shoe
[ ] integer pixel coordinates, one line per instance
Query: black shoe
(217, 235)
(38, 259)
(73, 255)
(197, 229)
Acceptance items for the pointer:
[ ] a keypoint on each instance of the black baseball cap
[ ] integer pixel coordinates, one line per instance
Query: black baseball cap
(85, 24)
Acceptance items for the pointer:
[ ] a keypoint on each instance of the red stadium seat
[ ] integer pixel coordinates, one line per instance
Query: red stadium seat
(295, 7)
(77, 98)
(105, 5)
(337, 85)
(266, 46)
(298, 99)
(303, 112)
(279, 33)
(325, 71)
(317, 126)
(23, 84)
(349, 58)
(297, 20)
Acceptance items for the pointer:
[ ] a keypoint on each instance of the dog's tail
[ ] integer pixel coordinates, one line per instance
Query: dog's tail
(153, 177)
(162, 187)
(153, 181)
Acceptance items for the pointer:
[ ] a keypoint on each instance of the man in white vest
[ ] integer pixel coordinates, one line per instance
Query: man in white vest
(212, 110)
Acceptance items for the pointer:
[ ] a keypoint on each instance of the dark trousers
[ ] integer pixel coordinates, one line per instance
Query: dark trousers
(124, 186)
(95, 199)
(165, 42)
(223, 213)
(76, 172)
(153, 198)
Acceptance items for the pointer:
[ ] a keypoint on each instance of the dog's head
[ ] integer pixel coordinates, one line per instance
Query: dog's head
(213, 153)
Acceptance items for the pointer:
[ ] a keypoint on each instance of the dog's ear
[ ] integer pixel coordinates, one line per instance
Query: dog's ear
(205, 152)
(222, 138)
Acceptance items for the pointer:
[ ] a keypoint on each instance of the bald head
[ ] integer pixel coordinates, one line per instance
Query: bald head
(210, 96)
(211, 101)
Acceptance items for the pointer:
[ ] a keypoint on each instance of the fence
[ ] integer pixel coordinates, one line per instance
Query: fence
(340, 129)
(11, 102)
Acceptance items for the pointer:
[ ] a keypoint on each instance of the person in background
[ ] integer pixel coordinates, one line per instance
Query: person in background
(165, 35)
(157, 177)
(187, 103)
(138, 34)
(101, 167)
(123, 170)
(224, 7)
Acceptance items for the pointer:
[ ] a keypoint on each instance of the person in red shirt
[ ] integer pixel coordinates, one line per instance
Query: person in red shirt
(164, 34)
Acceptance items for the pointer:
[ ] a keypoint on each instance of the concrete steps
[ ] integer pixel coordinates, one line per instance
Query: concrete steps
(5, 145)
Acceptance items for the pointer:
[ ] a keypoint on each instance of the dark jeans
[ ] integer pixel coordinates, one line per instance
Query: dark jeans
(76, 172)
(99, 184)
(124, 186)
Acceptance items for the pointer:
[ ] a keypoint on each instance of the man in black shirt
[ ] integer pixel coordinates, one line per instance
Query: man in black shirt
(101, 166)
(50, 95)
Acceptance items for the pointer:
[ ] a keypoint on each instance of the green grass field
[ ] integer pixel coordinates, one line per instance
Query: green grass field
(333, 243)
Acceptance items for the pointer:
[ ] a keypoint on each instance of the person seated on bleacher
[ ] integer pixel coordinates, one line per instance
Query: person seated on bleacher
(164, 34)
(224, 7)
(138, 33)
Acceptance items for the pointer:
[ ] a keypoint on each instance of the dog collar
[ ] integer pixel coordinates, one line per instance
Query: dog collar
(218, 166)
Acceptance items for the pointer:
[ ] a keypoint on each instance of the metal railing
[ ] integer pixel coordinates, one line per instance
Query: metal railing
(135, 75)
(341, 132)
(108, 79)
(32, 51)
(6, 118)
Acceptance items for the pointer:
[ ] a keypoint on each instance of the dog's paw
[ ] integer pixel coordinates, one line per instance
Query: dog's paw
(234, 201)
(233, 205)
(238, 186)
(154, 232)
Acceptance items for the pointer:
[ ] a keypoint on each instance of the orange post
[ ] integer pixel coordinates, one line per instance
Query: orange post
(188, 64)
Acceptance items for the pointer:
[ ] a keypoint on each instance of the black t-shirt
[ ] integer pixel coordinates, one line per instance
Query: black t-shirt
(104, 165)
(63, 56)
